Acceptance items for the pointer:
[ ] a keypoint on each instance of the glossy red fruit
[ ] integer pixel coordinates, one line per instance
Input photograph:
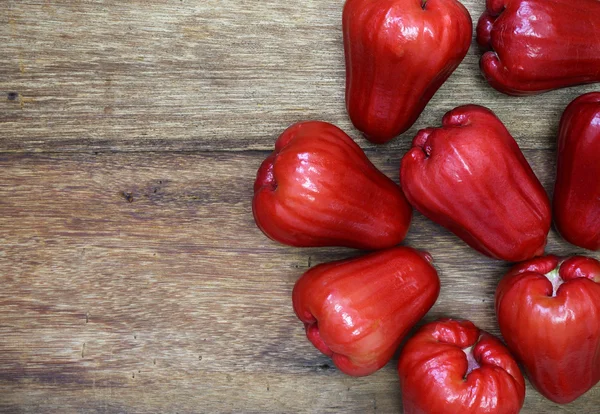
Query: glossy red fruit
(471, 177)
(318, 188)
(577, 190)
(398, 54)
(451, 366)
(358, 311)
(549, 314)
(539, 45)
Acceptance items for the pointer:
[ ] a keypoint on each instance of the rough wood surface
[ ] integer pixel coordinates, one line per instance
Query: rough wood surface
(202, 75)
(133, 277)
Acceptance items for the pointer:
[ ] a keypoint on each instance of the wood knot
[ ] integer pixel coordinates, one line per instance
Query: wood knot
(127, 196)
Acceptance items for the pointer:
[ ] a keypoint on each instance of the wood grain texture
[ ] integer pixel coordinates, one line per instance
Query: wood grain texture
(133, 277)
(139, 283)
(203, 75)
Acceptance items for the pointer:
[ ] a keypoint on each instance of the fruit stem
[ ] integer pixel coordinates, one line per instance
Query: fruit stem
(554, 277)
(472, 363)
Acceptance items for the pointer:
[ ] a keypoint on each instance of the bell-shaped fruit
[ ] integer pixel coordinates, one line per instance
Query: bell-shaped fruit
(577, 190)
(358, 311)
(540, 45)
(398, 54)
(549, 314)
(451, 366)
(318, 188)
(471, 177)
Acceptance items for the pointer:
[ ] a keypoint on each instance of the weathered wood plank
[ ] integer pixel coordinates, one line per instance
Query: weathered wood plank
(139, 283)
(202, 75)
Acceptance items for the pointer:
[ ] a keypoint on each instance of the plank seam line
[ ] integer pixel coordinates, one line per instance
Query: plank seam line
(391, 151)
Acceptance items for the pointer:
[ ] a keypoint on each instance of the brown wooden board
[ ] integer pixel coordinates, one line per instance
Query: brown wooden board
(133, 278)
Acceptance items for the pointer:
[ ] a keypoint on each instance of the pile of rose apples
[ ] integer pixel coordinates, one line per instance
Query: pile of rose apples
(318, 188)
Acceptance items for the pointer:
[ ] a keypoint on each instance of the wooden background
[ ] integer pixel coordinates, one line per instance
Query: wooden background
(133, 278)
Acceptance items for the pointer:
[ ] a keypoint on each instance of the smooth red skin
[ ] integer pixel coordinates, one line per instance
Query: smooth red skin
(435, 378)
(318, 188)
(577, 189)
(471, 177)
(557, 339)
(358, 311)
(398, 54)
(540, 45)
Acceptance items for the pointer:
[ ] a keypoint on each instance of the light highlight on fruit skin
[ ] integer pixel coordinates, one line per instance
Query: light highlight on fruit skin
(357, 311)
(398, 54)
(318, 188)
(555, 333)
(471, 177)
(437, 375)
(538, 45)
